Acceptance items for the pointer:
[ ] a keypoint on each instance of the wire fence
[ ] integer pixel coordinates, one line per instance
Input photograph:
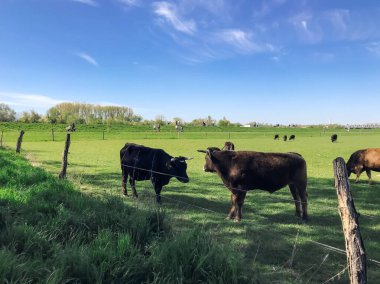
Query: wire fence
(300, 231)
(304, 235)
(326, 246)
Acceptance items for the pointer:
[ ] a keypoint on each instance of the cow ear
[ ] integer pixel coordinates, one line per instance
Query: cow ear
(202, 151)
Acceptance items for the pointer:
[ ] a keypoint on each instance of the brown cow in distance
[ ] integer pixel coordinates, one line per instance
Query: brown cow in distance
(228, 146)
(364, 160)
(241, 171)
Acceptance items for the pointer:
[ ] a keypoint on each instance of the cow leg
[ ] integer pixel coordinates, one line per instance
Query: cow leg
(231, 214)
(240, 201)
(303, 194)
(124, 177)
(357, 176)
(157, 189)
(369, 176)
(297, 199)
(132, 182)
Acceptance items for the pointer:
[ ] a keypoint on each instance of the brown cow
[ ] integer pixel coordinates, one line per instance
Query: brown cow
(364, 160)
(241, 171)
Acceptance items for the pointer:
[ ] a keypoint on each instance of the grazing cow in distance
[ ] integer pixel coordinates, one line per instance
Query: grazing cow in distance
(71, 128)
(241, 171)
(276, 137)
(285, 137)
(292, 137)
(364, 160)
(334, 137)
(144, 163)
(228, 146)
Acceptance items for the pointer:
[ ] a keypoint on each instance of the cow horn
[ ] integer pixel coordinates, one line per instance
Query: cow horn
(188, 158)
(202, 151)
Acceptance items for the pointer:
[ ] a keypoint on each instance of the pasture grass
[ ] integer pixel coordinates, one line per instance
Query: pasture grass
(270, 238)
(52, 233)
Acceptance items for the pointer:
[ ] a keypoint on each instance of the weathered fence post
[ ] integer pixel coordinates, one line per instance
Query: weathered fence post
(1, 139)
(52, 134)
(62, 174)
(19, 141)
(356, 256)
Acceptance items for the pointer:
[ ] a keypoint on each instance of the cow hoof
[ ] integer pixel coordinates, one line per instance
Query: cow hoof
(125, 193)
(305, 219)
(236, 220)
(228, 218)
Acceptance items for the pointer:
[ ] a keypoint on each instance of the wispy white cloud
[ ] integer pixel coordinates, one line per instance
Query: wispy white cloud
(92, 3)
(374, 48)
(130, 3)
(307, 27)
(243, 41)
(239, 39)
(86, 57)
(21, 101)
(169, 13)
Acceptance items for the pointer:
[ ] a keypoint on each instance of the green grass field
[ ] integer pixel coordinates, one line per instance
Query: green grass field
(270, 238)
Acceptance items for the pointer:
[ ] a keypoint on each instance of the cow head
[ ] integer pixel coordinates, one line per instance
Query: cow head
(178, 167)
(209, 165)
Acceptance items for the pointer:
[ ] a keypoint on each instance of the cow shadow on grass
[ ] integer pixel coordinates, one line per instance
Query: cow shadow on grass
(270, 237)
(70, 164)
(269, 229)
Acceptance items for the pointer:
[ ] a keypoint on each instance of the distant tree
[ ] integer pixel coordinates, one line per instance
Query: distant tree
(178, 120)
(136, 118)
(25, 117)
(6, 113)
(160, 119)
(224, 122)
(34, 117)
(53, 115)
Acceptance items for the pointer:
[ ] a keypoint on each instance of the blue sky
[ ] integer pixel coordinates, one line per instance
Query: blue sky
(275, 61)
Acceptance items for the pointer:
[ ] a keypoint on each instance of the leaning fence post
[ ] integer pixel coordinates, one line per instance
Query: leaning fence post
(356, 256)
(52, 134)
(19, 141)
(62, 174)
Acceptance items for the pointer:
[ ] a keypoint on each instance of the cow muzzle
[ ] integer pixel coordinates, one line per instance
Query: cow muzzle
(184, 179)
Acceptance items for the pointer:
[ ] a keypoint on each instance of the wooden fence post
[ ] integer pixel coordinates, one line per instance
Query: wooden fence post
(52, 134)
(62, 174)
(19, 141)
(1, 139)
(356, 256)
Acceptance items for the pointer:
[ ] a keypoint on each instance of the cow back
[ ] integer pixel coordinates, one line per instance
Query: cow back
(143, 162)
(267, 171)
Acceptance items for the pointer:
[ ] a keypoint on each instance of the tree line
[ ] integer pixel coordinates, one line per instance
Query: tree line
(81, 113)
(73, 113)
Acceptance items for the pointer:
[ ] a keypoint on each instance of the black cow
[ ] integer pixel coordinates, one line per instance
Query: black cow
(334, 137)
(144, 163)
(276, 137)
(241, 171)
(292, 137)
(285, 137)
(228, 146)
